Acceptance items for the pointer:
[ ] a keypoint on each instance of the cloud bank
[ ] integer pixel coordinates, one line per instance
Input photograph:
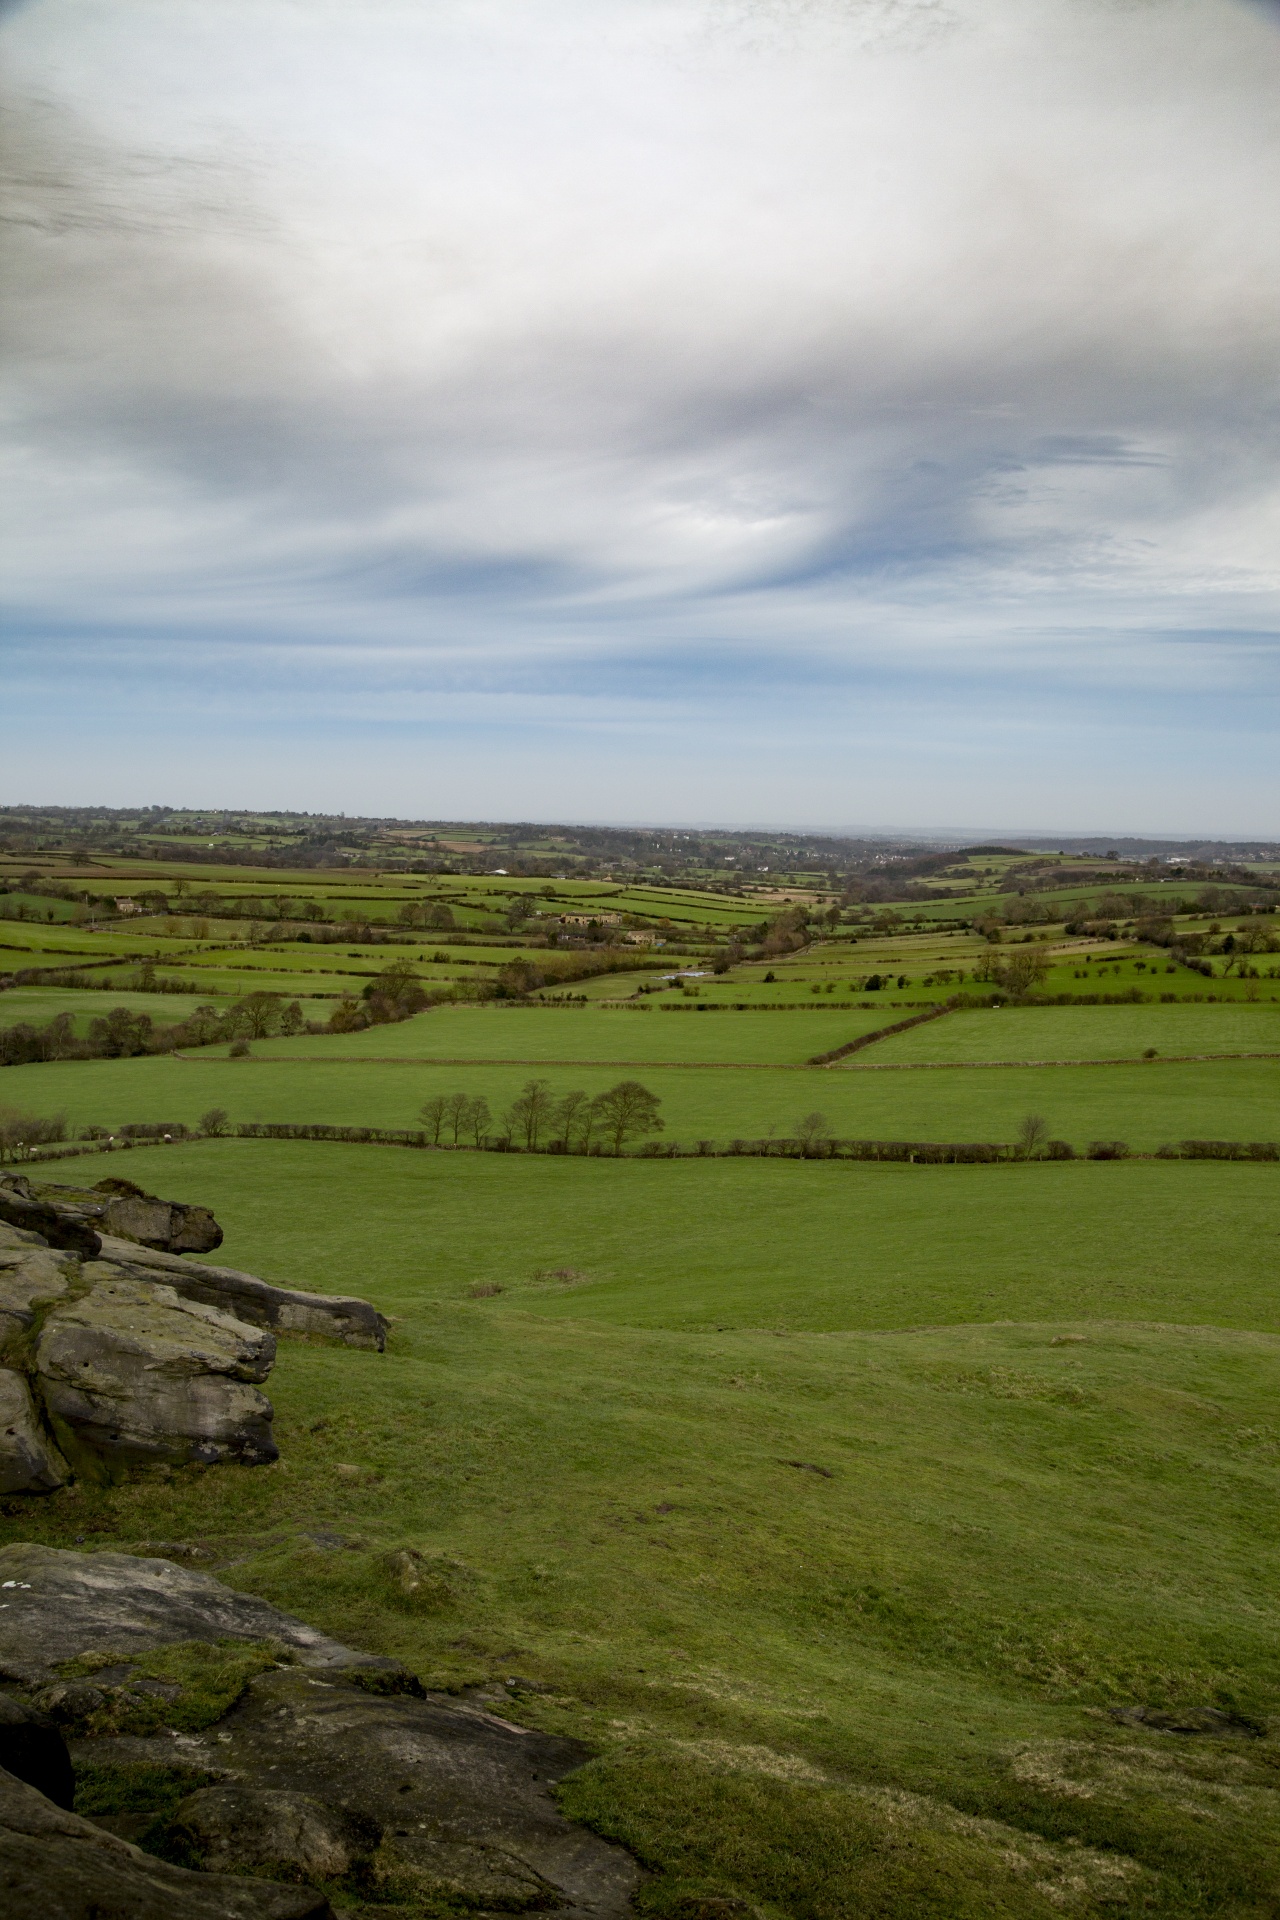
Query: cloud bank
(860, 411)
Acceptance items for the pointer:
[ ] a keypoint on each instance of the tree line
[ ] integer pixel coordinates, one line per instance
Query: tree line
(539, 1121)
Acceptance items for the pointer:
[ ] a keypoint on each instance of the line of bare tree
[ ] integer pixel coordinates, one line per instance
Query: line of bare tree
(538, 1120)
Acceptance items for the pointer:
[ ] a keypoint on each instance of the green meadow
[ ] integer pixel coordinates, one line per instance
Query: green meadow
(1145, 1104)
(903, 1541)
(644, 1034)
(839, 1510)
(1085, 1033)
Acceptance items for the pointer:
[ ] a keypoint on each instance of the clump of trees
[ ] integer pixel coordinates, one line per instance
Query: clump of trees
(538, 1121)
(394, 994)
(122, 1034)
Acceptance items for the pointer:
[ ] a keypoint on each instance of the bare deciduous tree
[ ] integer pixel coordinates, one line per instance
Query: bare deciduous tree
(625, 1111)
(811, 1132)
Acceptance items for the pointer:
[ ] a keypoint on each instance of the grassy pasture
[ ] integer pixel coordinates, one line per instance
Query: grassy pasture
(874, 1685)
(41, 1004)
(1145, 1105)
(1083, 1033)
(588, 1034)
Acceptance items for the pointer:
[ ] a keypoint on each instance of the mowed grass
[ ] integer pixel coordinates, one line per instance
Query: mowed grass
(843, 1610)
(589, 1034)
(1082, 1033)
(1145, 1105)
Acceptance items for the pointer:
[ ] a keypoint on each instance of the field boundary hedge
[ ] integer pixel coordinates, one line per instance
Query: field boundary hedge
(881, 1033)
(897, 1152)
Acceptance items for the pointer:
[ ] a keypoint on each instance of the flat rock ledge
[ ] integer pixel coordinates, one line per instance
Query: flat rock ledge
(334, 1770)
(117, 1355)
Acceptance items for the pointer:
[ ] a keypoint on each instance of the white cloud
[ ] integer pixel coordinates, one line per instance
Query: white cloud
(818, 334)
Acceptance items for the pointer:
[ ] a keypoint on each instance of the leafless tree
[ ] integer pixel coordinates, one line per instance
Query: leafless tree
(625, 1111)
(811, 1132)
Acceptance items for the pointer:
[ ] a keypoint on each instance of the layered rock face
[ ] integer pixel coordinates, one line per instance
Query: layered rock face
(70, 1216)
(332, 1767)
(115, 1354)
(136, 1375)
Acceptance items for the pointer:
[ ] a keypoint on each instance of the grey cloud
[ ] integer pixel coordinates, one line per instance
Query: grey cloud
(660, 311)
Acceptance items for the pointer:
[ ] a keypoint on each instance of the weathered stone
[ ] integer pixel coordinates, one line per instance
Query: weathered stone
(56, 1226)
(459, 1797)
(18, 1239)
(235, 1828)
(320, 1769)
(133, 1375)
(32, 1749)
(29, 1461)
(74, 1216)
(30, 1277)
(69, 1703)
(130, 1214)
(54, 1863)
(285, 1309)
(59, 1604)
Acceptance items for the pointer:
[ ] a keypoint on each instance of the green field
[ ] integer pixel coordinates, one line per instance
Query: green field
(838, 1507)
(1082, 1033)
(1040, 1402)
(1145, 1105)
(589, 1034)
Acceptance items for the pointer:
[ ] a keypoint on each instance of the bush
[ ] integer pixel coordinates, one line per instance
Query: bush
(19, 1131)
(1108, 1150)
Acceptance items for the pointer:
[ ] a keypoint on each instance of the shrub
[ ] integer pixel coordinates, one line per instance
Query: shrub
(19, 1131)
(1108, 1150)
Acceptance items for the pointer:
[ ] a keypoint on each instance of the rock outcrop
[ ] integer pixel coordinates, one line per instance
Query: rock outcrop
(59, 1605)
(136, 1376)
(333, 1766)
(53, 1862)
(116, 1355)
(29, 1460)
(71, 1216)
(32, 1749)
(327, 1316)
(31, 1276)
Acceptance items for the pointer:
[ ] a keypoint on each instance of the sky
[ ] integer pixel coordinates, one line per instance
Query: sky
(846, 413)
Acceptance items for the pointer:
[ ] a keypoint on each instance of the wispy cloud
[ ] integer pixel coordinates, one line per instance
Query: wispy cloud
(888, 385)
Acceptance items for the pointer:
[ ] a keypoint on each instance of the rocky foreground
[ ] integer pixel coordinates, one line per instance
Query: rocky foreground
(333, 1784)
(270, 1772)
(120, 1350)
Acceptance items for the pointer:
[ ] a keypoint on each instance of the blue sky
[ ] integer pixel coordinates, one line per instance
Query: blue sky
(824, 412)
